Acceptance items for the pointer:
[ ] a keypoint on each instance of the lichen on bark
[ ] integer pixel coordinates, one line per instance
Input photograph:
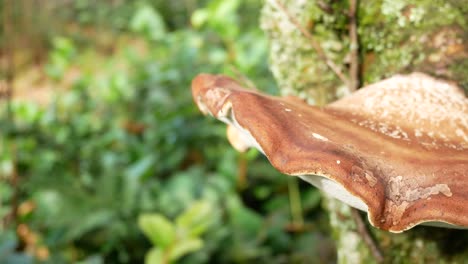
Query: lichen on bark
(350, 247)
(395, 36)
(293, 61)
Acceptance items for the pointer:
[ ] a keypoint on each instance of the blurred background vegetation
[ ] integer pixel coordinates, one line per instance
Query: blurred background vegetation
(104, 157)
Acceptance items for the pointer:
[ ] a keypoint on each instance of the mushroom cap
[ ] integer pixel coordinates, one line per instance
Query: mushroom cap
(397, 149)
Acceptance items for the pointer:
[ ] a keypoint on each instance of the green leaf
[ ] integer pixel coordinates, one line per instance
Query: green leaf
(199, 17)
(243, 218)
(197, 218)
(141, 167)
(148, 22)
(133, 180)
(158, 229)
(224, 16)
(252, 154)
(219, 15)
(154, 256)
(98, 219)
(223, 9)
(64, 47)
(60, 57)
(184, 247)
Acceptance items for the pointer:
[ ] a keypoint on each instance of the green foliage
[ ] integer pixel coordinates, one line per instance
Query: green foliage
(148, 22)
(60, 58)
(174, 240)
(122, 152)
(220, 16)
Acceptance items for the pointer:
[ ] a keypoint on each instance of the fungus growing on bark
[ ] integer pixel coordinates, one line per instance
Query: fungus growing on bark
(397, 149)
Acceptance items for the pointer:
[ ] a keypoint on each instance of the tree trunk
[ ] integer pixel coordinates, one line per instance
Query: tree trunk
(312, 43)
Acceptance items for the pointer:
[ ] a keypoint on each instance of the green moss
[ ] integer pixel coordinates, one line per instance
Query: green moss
(419, 245)
(350, 248)
(395, 36)
(293, 61)
(398, 37)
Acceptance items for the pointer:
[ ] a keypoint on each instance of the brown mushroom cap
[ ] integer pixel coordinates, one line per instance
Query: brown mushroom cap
(397, 149)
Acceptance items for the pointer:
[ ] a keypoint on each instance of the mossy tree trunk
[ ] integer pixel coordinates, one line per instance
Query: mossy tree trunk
(395, 36)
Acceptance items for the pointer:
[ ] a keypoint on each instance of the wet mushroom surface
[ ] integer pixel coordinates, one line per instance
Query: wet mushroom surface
(397, 149)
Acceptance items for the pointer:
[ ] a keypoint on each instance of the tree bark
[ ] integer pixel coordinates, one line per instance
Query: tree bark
(394, 37)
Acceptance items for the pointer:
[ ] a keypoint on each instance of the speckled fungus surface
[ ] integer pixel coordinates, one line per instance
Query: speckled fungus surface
(397, 149)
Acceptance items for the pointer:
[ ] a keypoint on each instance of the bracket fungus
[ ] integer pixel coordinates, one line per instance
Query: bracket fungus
(397, 149)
